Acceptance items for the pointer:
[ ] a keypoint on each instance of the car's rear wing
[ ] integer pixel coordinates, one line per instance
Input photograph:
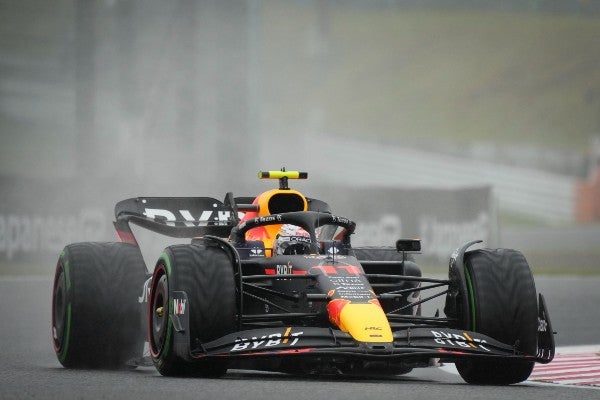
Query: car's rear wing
(181, 217)
(186, 217)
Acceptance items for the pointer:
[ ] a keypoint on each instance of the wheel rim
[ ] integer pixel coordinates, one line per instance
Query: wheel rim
(59, 309)
(159, 313)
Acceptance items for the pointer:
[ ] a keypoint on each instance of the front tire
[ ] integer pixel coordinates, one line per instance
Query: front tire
(503, 305)
(205, 273)
(95, 309)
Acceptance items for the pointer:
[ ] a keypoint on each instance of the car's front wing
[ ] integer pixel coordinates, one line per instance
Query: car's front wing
(411, 342)
(292, 341)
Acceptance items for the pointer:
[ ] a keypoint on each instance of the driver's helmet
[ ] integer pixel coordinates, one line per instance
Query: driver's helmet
(291, 239)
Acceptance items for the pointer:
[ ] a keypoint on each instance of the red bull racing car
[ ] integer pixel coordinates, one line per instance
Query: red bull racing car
(273, 283)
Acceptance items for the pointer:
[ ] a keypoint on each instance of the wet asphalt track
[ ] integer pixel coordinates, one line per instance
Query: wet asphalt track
(29, 368)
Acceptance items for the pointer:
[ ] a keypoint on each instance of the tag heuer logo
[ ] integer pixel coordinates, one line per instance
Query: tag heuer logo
(257, 252)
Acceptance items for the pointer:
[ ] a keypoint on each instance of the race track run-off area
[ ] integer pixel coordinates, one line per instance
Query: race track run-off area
(577, 366)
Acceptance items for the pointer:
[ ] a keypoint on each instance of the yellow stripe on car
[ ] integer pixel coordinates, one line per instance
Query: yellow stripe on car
(366, 323)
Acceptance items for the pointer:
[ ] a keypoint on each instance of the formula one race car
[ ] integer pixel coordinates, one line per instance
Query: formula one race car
(273, 283)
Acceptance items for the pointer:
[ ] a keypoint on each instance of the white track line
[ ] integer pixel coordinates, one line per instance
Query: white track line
(573, 366)
(578, 366)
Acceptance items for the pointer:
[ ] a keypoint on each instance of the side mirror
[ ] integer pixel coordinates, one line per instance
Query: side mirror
(408, 245)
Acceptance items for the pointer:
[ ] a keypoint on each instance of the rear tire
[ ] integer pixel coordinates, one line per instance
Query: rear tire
(95, 308)
(205, 273)
(503, 305)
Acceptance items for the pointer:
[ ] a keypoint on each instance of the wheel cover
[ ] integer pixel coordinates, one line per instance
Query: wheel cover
(159, 312)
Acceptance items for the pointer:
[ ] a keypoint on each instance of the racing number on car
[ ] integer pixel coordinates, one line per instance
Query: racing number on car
(335, 270)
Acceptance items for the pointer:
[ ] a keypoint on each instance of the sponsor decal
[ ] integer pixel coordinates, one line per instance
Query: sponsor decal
(340, 220)
(272, 271)
(188, 219)
(257, 252)
(299, 239)
(287, 338)
(145, 291)
(286, 269)
(456, 340)
(351, 288)
(542, 325)
(321, 257)
(292, 230)
(283, 269)
(268, 218)
(179, 306)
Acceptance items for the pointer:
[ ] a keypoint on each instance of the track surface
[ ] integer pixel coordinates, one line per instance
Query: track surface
(29, 368)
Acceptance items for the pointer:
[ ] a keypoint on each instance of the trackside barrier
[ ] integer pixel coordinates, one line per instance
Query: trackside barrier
(38, 229)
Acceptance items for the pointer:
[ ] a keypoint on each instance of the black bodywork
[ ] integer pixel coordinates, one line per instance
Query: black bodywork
(282, 300)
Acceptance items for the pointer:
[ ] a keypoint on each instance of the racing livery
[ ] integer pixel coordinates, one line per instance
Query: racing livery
(273, 282)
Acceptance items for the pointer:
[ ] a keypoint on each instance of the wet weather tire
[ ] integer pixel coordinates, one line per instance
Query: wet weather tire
(205, 272)
(96, 317)
(502, 305)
